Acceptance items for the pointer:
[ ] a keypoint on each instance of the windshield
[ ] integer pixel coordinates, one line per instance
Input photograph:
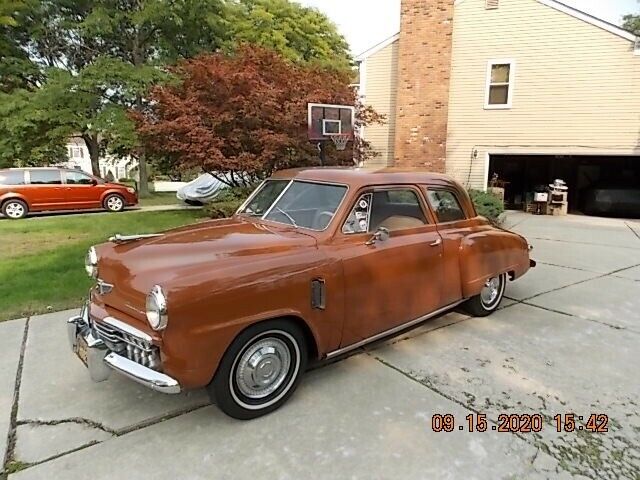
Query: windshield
(301, 204)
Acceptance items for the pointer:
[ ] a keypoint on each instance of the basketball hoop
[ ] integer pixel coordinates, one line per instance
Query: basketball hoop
(340, 141)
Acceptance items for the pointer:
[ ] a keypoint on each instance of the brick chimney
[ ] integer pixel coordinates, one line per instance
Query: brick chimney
(424, 67)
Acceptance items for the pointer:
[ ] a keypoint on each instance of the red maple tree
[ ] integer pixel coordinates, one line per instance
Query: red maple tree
(247, 112)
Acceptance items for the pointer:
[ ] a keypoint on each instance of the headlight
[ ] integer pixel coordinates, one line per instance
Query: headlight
(131, 190)
(157, 308)
(91, 263)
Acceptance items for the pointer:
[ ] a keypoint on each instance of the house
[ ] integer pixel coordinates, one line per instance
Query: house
(111, 167)
(528, 90)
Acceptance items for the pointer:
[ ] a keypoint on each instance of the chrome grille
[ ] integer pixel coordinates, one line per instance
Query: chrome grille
(127, 345)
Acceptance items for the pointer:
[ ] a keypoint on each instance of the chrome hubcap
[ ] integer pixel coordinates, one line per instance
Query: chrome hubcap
(263, 368)
(14, 210)
(490, 291)
(114, 203)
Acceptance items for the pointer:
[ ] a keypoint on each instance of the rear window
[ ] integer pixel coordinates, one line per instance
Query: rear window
(12, 177)
(45, 177)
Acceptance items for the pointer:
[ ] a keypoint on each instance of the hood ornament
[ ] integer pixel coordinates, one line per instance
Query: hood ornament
(117, 238)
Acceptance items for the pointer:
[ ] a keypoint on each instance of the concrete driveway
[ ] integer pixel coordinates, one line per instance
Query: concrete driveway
(566, 341)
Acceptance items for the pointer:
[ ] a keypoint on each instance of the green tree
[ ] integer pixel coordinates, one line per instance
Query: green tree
(77, 67)
(632, 23)
(299, 33)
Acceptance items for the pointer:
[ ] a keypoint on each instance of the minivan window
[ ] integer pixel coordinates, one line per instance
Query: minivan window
(12, 177)
(78, 178)
(45, 177)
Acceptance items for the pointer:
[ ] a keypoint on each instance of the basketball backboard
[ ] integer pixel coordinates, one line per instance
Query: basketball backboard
(326, 121)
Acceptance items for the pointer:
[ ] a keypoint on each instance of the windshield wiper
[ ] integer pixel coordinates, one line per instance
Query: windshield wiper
(293, 222)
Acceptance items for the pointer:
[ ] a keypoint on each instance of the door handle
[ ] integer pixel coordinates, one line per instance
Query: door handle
(437, 243)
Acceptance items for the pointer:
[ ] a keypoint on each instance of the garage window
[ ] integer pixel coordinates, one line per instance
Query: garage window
(499, 92)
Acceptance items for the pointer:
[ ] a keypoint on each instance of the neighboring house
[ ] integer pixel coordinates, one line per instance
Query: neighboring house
(110, 166)
(530, 90)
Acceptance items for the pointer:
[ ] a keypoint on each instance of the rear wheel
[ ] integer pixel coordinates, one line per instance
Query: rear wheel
(114, 203)
(260, 370)
(489, 298)
(15, 209)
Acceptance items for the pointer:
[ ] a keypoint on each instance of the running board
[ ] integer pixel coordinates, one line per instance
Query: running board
(391, 331)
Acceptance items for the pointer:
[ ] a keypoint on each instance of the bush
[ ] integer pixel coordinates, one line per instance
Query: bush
(223, 209)
(487, 204)
(129, 182)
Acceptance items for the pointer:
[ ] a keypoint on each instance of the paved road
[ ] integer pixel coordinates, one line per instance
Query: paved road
(566, 341)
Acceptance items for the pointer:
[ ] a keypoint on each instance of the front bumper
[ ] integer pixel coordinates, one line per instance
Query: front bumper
(100, 361)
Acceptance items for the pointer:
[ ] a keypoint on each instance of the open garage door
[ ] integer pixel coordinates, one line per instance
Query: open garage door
(598, 185)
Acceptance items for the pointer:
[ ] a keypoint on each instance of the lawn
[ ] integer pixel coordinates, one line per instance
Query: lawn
(160, 198)
(42, 259)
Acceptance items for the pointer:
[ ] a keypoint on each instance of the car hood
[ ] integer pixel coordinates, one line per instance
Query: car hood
(196, 251)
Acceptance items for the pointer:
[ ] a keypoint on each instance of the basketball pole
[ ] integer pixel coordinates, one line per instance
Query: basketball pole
(322, 153)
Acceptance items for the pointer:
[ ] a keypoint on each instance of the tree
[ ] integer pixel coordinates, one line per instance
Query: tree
(632, 23)
(246, 113)
(88, 62)
(301, 34)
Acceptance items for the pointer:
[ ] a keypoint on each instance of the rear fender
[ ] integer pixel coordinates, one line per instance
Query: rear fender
(12, 196)
(484, 255)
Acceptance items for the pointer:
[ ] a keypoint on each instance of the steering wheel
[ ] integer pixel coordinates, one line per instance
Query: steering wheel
(317, 221)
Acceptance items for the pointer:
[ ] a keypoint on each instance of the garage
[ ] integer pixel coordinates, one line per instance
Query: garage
(598, 185)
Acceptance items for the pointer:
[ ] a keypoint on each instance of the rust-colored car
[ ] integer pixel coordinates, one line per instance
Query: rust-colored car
(317, 262)
(24, 190)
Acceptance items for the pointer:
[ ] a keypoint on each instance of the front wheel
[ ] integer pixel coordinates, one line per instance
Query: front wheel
(489, 298)
(260, 370)
(114, 203)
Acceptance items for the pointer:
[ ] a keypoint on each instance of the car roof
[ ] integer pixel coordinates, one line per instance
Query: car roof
(38, 168)
(358, 177)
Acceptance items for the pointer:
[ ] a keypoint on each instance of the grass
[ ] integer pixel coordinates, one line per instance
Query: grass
(42, 259)
(161, 198)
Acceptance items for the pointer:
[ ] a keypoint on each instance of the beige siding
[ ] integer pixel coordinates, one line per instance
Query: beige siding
(576, 91)
(380, 86)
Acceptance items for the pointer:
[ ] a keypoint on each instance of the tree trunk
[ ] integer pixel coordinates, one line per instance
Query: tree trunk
(143, 184)
(94, 152)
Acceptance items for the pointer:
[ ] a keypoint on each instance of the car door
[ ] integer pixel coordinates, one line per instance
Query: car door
(391, 281)
(453, 226)
(45, 190)
(81, 190)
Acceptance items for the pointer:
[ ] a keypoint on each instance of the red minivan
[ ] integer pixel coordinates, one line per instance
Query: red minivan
(24, 190)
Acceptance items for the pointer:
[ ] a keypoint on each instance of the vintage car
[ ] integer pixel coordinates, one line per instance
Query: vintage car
(316, 263)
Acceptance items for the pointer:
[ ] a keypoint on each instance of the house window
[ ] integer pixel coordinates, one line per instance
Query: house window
(499, 92)
(76, 152)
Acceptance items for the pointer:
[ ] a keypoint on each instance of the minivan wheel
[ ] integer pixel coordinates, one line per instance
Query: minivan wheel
(260, 370)
(489, 298)
(15, 209)
(114, 203)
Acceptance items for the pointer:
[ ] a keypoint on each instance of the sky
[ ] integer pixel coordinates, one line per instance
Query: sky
(367, 22)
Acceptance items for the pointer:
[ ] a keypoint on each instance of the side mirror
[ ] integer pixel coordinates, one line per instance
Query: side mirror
(381, 235)
(94, 182)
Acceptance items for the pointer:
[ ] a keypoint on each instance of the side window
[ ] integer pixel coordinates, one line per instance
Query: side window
(396, 209)
(45, 177)
(77, 178)
(445, 205)
(12, 177)
(358, 220)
